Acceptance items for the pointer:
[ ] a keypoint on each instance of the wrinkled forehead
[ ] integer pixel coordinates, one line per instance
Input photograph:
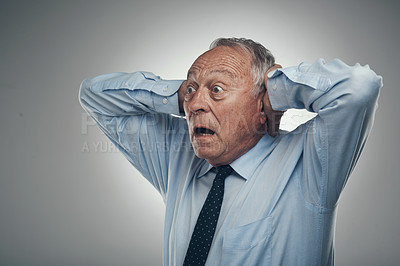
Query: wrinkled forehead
(232, 62)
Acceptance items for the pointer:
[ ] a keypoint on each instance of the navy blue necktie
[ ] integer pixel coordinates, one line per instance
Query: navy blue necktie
(204, 230)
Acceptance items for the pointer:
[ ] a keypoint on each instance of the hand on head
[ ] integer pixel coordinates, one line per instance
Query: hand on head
(273, 118)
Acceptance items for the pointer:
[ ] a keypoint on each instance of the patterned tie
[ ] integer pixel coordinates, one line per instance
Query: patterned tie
(204, 230)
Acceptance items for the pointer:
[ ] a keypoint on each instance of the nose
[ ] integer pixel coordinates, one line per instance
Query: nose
(199, 102)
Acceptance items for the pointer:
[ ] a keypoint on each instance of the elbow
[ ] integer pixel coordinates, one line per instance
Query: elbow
(84, 91)
(365, 85)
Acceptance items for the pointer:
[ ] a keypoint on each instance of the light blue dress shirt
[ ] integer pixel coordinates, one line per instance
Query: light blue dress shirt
(280, 202)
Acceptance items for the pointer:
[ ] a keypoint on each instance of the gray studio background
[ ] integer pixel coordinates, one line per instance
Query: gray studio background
(67, 197)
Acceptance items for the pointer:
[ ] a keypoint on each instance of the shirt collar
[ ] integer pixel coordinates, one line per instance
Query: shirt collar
(204, 169)
(246, 164)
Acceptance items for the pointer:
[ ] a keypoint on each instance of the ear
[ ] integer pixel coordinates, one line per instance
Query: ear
(260, 108)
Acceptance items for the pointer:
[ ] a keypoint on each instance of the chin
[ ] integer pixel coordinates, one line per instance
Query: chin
(205, 153)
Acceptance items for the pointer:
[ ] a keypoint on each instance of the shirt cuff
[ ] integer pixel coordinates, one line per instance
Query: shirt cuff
(165, 96)
(277, 90)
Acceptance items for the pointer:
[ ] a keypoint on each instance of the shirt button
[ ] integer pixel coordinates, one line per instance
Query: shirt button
(274, 87)
(165, 101)
(165, 89)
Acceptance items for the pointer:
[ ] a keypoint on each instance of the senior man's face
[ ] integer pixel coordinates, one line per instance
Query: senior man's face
(223, 116)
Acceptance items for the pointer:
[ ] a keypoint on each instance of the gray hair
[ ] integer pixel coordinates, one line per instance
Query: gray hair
(262, 59)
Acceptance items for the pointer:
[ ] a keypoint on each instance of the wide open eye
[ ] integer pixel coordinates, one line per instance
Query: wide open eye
(190, 90)
(217, 89)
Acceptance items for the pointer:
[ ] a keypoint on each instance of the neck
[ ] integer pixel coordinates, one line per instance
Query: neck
(228, 159)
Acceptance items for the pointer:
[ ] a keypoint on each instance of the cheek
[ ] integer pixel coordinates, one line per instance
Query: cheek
(185, 108)
(240, 123)
(232, 126)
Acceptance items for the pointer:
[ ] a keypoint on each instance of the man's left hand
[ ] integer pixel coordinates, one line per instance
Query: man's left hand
(273, 117)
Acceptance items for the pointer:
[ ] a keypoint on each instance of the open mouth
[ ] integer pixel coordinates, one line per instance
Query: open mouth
(203, 131)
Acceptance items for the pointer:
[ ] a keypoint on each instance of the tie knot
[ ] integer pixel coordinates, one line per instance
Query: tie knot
(224, 170)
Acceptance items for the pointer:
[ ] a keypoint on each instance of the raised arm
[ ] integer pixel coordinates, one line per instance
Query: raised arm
(133, 110)
(345, 99)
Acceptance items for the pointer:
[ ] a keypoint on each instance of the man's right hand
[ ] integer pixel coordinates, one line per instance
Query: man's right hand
(181, 96)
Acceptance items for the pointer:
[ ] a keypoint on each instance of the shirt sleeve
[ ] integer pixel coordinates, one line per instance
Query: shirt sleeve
(345, 100)
(133, 110)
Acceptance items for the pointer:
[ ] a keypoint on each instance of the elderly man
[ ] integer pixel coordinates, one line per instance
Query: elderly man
(237, 190)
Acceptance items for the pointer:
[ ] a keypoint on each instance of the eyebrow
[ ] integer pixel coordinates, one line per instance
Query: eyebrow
(190, 76)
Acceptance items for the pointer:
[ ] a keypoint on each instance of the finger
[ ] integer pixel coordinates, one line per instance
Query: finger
(274, 67)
